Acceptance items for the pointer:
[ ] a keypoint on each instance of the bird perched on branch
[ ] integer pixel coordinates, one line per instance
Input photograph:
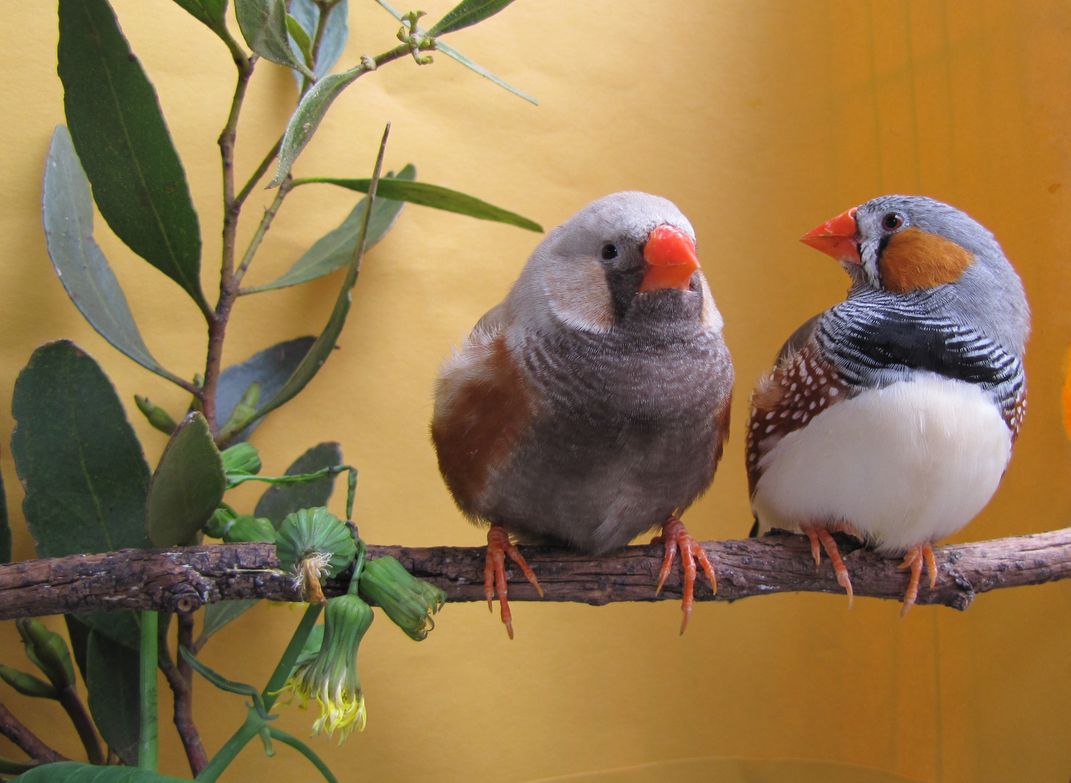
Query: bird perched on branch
(892, 415)
(591, 404)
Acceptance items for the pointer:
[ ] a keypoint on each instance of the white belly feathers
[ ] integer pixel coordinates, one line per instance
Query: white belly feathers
(907, 464)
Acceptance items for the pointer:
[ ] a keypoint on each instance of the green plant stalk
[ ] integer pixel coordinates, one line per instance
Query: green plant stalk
(254, 724)
(149, 733)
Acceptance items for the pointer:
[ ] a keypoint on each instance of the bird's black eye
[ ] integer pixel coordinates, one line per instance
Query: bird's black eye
(892, 221)
(609, 252)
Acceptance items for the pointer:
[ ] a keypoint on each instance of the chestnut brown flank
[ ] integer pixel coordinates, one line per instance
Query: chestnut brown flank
(482, 427)
(915, 259)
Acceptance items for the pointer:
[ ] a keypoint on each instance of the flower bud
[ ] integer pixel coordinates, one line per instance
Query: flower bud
(48, 652)
(249, 528)
(314, 545)
(26, 684)
(241, 459)
(409, 602)
(157, 416)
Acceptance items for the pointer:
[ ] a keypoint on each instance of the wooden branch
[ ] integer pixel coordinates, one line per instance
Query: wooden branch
(183, 580)
(12, 728)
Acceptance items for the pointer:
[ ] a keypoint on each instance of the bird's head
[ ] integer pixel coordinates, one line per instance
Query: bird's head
(909, 244)
(627, 258)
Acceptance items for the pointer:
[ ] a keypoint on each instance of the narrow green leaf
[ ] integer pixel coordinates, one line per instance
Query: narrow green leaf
(333, 38)
(299, 37)
(304, 750)
(279, 501)
(308, 115)
(429, 195)
(112, 683)
(263, 23)
(187, 486)
(221, 614)
(335, 248)
(78, 260)
(325, 343)
(210, 12)
(73, 772)
(269, 369)
(467, 13)
(450, 51)
(124, 145)
(81, 467)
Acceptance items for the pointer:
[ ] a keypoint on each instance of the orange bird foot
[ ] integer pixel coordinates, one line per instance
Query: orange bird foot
(821, 538)
(494, 572)
(913, 559)
(676, 537)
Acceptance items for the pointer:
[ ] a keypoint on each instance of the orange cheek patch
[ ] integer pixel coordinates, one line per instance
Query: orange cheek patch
(915, 259)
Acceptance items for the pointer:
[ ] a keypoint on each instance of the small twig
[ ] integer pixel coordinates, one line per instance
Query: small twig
(180, 680)
(83, 724)
(12, 728)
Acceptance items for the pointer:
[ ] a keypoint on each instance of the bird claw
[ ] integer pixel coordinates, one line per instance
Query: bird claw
(494, 573)
(820, 536)
(913, 560)
(676, 539)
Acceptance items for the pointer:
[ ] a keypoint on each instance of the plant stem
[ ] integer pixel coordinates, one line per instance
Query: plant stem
(181, 683)
(12, 728)
(149, 729)
(83, 724)
(265, 223)
(254, 723)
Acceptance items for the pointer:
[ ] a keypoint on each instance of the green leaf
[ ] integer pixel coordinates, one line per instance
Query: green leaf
(124, 145)
(279, 501)
(112, 683)
(81, 467)
(304, 750)
(263, 23)
(325, 343)
(333, 38)
(222, 613)
(467, 13)
(335, 248)
(211, 12)
(73, 772)
(5, 527)
(428, 195)
(269, 369)
(187, 486)
(308, 115)
(299, 37)
(78, 260)
(450, 51)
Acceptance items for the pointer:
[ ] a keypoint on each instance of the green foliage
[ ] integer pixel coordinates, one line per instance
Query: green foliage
(335, 248)
(279, 501)
(429, 195)
(87, 485)
(187, 486)
(124, 145)
(73, 772)
(79, 462)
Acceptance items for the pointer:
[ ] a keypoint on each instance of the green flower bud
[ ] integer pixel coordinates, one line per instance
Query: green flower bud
(330, 679)
(26, 684)
(157, 416)
(249, 528)
(241, 459)
(220, 521)
(48, 652)
(313, 545)
(409, 602)
(245, 411)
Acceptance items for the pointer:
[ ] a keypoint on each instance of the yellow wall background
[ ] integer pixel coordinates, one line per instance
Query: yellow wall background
(760, 119)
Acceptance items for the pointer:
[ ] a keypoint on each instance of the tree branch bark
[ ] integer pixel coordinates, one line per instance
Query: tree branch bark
(182, 580)
(12, 728)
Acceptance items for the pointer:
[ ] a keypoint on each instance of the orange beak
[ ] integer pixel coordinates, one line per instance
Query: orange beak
(671, 259)
(836, 237)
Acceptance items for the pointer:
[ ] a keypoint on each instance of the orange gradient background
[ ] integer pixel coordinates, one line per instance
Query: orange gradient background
(760, 120)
